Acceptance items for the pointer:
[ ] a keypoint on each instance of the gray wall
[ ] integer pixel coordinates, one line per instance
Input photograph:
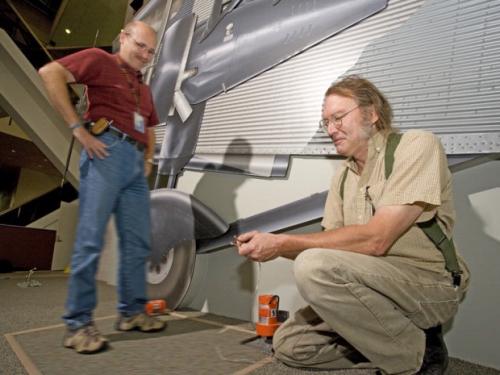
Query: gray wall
(475, 332)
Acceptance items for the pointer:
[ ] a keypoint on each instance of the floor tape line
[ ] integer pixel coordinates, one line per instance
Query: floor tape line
(255, 366)
(25, 360)
(31, 369)
(46, 328)
(235, 328)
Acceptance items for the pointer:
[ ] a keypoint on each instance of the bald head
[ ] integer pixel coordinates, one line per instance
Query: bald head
(137, 44)
(133, 25)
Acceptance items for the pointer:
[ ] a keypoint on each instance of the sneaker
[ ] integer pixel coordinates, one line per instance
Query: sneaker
(85, 340)
(140, 322)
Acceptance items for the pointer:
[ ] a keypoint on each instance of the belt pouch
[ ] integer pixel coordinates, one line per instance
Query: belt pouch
(100, 126)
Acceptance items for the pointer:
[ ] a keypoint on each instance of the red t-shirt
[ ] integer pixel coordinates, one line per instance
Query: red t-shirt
(114, 89)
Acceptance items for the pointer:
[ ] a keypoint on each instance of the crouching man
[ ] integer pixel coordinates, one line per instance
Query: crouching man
(376, 279)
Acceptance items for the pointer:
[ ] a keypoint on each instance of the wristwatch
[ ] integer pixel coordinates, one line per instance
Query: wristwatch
(76, 125)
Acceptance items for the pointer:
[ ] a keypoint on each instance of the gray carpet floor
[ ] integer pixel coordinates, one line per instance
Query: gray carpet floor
(193, 343)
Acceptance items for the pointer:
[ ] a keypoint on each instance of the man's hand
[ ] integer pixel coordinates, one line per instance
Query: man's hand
(149, 152)
(91, 144)
(148, 167)
(258, 246)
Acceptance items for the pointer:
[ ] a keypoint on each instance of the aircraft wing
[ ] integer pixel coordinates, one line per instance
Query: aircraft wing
(246, 41)
(257, 35)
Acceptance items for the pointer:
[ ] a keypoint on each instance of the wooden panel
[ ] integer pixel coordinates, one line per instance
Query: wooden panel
(26, 248)
(18, 152)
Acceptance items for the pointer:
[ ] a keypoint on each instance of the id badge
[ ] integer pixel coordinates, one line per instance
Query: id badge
(139, 122)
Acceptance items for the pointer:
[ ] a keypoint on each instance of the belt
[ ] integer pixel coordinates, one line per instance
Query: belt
(126, 137)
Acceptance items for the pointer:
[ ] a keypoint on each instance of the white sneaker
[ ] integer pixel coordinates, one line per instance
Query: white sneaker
(85, 340)
(140, 322)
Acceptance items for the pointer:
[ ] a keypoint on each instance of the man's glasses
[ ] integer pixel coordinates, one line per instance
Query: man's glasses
(142, 46)
(334, 120)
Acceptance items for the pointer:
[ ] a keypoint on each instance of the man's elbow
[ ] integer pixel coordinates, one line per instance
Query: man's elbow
(379, 246)
(47, 71)
(43, 71)
(53, 71)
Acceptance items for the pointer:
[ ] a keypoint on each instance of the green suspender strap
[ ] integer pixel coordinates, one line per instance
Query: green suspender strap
(393, 140)
(342, 182)
(431, 228)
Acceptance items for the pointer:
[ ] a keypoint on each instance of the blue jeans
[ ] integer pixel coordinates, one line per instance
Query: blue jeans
(116, 185)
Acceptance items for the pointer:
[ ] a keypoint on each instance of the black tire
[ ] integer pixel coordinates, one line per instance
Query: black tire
(170, 278)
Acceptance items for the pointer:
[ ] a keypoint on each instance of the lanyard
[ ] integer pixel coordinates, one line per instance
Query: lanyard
(135, 90)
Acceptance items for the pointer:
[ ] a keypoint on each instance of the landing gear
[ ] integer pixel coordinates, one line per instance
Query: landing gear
(170, 277)
(177, 221)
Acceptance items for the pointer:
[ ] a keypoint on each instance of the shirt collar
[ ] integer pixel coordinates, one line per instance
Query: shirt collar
(376, 144)
(128, 68)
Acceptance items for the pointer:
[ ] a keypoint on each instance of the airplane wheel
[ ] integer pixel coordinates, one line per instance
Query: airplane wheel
(170, 277)
(177, 218)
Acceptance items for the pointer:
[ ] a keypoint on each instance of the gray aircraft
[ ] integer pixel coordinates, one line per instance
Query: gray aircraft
(197, 61)
(239, 41)
(436, 62)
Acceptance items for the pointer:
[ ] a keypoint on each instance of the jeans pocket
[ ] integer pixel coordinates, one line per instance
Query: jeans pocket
(109, 140)
(84, 164)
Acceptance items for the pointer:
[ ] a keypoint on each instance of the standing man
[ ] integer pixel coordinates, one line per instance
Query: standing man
(116, 158)
(377, 286)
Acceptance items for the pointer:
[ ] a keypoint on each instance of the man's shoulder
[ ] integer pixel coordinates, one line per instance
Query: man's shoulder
(99, 53)
(418, 144)
(89, 53)
(416, 136)
(89, 65)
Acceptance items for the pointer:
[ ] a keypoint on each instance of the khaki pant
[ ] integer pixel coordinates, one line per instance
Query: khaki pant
(364, 312)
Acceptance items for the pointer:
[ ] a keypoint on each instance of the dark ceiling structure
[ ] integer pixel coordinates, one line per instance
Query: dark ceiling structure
(45, 30)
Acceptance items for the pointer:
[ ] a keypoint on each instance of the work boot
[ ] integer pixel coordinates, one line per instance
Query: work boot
(140, 322)
(85, 340)
(436, 355)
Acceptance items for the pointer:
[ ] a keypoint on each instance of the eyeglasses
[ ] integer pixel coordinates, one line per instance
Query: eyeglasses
(334, 120)
(142, 46)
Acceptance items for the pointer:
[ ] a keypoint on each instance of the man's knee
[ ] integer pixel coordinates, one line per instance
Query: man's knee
(288, 349)
(280, 344)
(306, 265)
(312, 266)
